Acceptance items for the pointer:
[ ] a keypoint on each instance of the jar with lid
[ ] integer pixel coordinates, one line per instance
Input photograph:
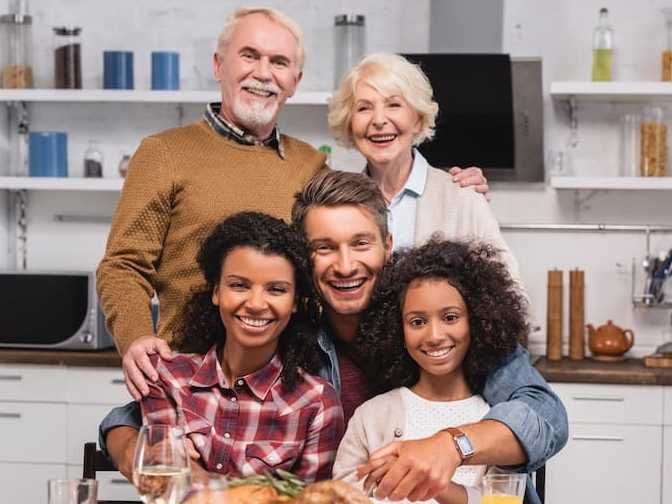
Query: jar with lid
(666, 59)
(349, 43)
(653, 143)
(16, 48)
(93, 160)
(67, 57)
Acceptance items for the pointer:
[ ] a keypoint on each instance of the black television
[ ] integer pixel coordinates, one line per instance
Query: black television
(490, 114)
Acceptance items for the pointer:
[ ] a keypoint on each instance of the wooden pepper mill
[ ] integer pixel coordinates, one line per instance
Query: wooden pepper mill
(577, 346)
(554, 316)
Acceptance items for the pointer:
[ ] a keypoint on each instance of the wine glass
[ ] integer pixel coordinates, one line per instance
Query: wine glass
(161, 466)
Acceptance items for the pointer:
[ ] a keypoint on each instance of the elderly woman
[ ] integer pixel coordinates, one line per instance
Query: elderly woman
(384, 108)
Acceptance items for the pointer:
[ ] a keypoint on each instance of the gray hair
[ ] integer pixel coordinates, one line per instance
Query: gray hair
(272, 14)
(388, 74)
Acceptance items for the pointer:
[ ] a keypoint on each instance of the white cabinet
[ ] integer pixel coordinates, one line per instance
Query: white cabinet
(27, 483)
(614, 453)
(667, 446)
(47, 413)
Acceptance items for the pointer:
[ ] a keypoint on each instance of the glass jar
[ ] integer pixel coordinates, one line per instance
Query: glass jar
(123, 165)
(16, 47)
(653, 143)
(666, 59)
(630, 144)
(67, 57)
(349, 43)
(93, 160)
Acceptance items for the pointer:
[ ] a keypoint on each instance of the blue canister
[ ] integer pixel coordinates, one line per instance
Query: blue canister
(165, 70)
(117, 69)
(48, 154)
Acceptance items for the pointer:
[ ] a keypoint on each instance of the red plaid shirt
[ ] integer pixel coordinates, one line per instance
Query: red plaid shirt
(252, 427)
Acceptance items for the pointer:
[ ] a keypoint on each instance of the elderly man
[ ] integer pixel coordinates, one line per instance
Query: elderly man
(183, 181)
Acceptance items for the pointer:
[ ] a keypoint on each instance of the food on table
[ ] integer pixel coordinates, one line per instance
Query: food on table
(284, 488)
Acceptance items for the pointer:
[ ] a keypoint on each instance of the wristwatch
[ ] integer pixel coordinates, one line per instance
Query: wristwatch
(462, 442)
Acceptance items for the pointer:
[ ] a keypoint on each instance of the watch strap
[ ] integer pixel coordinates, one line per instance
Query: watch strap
(458, 436)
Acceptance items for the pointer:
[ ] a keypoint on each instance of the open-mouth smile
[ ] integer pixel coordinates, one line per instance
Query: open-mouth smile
(382, 139)
(347, 285)
(262, 93)
(254, 322)
(438, 352)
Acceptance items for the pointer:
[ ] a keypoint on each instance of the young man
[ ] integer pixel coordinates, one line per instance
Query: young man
(344, 218)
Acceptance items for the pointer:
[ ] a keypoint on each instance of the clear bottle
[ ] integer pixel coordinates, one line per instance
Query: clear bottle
(67, 57)
(93, 160)
(349, 43)
(603, 48)
(16, 48)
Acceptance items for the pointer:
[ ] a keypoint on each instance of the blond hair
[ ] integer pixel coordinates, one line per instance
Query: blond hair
(388, 74)
(272, 14)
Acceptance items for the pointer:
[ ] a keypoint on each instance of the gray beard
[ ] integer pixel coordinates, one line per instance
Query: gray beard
(255, 116)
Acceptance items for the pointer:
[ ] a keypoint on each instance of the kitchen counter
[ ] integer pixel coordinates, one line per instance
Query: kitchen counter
(101, 358)
(627, 372)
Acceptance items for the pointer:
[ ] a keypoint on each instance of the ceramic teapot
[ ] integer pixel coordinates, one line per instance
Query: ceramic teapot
(609, 342)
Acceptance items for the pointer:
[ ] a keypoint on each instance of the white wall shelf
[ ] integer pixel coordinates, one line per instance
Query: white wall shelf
(61, 184)
(137, 96)
(612, 183)
(612, 91)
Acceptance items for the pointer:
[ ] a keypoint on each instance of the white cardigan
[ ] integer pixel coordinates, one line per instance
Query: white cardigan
(459, 213)
(376, 423)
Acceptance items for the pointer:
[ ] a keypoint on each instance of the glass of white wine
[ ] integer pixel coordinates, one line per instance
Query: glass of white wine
(161, 467)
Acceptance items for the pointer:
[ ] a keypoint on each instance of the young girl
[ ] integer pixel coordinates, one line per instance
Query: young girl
(442, 317)
(242, 392)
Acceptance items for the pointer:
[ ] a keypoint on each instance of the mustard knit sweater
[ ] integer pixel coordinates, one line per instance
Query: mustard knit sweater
(180, 184)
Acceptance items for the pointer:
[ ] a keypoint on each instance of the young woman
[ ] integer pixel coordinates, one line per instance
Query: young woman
(442, 317)
(240, 385)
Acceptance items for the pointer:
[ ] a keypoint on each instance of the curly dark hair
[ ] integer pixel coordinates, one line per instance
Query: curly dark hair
(201, 325)
(496, 311)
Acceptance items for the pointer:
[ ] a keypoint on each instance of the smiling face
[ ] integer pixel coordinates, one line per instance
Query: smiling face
(436, 328)
(347, 252)
(257, 71)
(256, 298)
(383, 126)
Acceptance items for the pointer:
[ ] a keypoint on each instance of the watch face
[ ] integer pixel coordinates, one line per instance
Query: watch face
(464, 445)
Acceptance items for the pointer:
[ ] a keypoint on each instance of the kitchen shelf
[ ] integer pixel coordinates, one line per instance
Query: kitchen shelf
(612, 91)
(61, 184)
(613, 183)
(138, 96)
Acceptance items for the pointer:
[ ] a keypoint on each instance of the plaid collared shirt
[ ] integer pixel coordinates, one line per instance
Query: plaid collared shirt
(253, 426)
(231, 131)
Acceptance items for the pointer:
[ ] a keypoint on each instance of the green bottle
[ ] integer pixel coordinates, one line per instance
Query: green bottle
(603, 48)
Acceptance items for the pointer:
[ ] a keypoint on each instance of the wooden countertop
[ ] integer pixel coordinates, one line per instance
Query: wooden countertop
(627, 372)
(101, 358)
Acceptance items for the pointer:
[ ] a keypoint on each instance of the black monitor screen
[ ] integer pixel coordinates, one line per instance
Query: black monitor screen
(475, 121)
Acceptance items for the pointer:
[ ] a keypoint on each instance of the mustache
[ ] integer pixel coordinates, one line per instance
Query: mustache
(261, 86)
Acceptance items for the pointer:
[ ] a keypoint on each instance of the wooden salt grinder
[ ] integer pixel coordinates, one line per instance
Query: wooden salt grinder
(554, 316)
(577, 328)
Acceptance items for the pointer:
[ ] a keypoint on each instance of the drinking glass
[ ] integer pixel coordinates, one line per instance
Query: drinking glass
(209, 488)
(77, 491)
(161, 470)
(503, 488)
